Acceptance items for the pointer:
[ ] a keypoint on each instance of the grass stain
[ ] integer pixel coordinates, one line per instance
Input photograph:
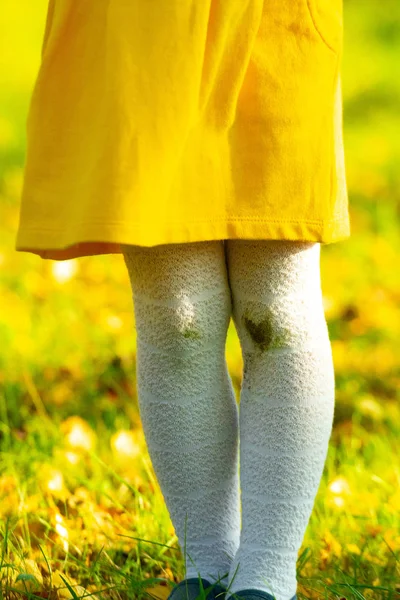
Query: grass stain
(191, 334)
(263, 334)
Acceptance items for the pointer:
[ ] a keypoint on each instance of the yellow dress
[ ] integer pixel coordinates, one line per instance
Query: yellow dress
(169, 121)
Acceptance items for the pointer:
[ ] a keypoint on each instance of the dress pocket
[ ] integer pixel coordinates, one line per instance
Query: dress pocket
(327, 18)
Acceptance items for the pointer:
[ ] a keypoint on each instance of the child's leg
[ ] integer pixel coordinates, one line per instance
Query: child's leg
(286, 404)
(188, 408)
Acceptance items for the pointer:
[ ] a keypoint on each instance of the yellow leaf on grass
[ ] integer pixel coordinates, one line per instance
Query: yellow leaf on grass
(161, 592)
(62, 589)
(353, 548)
(26, 576)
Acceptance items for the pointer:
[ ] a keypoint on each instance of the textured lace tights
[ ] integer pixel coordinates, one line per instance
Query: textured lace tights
(184, 296)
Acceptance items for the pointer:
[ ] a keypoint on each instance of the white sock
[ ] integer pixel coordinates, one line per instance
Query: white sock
(187, 402)
(286, 405)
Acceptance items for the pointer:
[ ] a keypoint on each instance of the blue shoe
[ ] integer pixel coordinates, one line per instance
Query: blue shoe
(189, 589)
(253, 594)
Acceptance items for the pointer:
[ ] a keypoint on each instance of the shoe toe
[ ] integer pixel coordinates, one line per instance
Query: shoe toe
(189, 589)
(253, 594)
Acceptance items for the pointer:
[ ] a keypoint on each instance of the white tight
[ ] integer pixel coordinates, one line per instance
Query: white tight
(184, 296)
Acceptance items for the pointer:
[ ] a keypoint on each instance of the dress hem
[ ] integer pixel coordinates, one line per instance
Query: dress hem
(106, 238)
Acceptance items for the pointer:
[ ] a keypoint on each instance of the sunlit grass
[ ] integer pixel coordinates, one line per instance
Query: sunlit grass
(80, 508)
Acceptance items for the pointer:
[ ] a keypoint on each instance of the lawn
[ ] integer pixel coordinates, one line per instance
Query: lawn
(80, 509)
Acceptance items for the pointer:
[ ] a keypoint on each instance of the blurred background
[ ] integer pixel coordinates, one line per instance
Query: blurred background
(78, 497)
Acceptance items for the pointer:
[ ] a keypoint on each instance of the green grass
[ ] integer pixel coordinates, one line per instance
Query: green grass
(72, 503)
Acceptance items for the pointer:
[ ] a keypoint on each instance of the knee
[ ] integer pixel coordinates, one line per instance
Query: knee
(202, 321)
(179, 325)
(265, 333)
(288, 322)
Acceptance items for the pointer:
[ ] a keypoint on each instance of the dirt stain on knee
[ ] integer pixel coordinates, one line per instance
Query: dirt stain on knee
(192, 334)
(264, 335)
(261, 333)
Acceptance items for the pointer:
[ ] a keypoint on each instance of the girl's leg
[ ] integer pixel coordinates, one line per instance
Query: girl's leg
(189, 413)
(286, 404)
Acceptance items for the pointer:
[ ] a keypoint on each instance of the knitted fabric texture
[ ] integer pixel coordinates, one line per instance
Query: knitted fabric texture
(187, 403)
(286, 405)
(184, 296)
